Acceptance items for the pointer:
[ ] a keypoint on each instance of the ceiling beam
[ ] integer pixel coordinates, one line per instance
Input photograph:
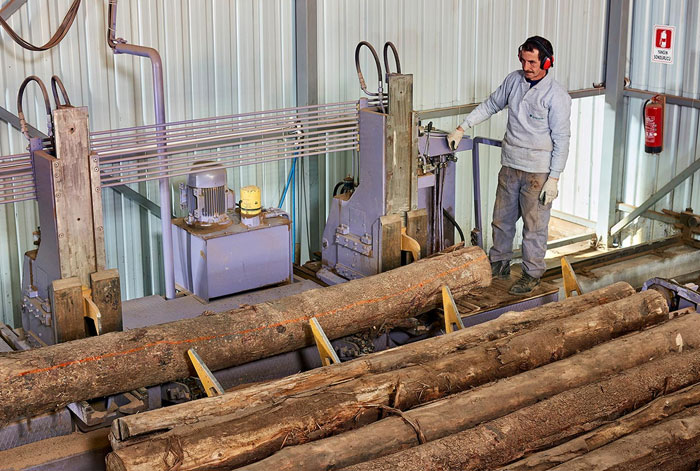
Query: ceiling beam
(10, 7)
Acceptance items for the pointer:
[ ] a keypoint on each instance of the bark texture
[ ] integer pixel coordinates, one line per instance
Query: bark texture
(43, 379)
(439, 419)
(548, 422)
(672, 445)
(412, 354)
(250, 435)
(646, 416)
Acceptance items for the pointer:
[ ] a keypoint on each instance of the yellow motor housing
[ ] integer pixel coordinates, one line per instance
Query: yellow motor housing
(250, 201)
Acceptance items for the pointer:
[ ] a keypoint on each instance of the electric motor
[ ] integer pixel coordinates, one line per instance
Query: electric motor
(205, 196)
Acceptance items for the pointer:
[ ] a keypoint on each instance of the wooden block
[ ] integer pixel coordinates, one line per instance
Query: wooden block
(67, 304)
(73, 196)
(106, 293)
(391, 242)
(417, 228)
(399, 153)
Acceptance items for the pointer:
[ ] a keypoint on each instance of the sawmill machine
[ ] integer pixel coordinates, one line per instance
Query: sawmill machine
(401, 206)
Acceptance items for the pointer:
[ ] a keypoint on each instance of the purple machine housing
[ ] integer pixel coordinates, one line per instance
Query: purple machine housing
(352, 244)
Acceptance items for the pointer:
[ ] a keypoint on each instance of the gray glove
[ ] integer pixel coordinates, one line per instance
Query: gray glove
(454, 138)
(549, 191)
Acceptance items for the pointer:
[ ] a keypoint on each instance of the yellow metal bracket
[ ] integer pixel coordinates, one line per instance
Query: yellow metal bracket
(211, 385)
(453, 321)
(91, 311)
(409, 244)
(570, 280)
(325, 349)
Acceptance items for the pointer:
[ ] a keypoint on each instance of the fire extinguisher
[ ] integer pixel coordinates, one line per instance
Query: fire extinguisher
(654, 124)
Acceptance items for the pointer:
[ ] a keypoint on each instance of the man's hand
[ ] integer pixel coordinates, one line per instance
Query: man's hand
(455, 137)
(549, 191)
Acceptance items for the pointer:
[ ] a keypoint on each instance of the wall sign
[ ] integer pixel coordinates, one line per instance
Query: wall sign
(662, 44)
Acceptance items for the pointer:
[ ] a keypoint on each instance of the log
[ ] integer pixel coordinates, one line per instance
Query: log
(440, 418)
(672, 445)
(648, 415)
(250, 435)
(548, 422)
(126, 428)
(43, 379)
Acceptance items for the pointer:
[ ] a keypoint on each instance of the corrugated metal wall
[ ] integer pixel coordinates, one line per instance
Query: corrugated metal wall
(220, 57)
(644, 174)
(460, 51)
(224, 57)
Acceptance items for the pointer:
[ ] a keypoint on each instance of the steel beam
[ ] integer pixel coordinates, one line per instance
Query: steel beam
(613, 116)
(654, 215)
(306, 53)
(13, 120)
(10, 7)
(677, 180)
(434, 113)
(670, 99)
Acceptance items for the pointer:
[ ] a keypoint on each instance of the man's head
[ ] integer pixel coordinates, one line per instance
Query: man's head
(536, 55)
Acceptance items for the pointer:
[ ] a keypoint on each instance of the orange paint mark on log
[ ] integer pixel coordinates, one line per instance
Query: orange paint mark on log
(247, 331)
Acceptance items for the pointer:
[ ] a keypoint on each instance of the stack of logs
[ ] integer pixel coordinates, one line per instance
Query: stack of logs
(607, 380)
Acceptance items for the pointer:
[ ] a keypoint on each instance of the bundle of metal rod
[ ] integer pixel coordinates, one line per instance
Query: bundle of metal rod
(206, 130)
(233, 141)
(143, 153)
(16, 179)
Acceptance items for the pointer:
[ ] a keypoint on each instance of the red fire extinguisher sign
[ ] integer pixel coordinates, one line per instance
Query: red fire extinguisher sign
(662, 44)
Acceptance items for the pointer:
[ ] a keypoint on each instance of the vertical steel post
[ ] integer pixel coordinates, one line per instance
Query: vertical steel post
(120, 47)
(306, 54)
(614, 117)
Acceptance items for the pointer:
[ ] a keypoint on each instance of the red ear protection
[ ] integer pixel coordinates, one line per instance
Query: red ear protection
(548, 58)
(547, 63)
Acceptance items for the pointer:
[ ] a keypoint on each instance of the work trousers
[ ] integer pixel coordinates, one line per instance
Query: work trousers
(518, 195)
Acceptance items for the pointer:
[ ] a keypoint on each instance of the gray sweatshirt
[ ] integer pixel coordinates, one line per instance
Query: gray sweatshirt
(539, 127)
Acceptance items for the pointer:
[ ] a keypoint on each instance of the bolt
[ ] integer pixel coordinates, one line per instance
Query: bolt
(55, 164)
(99, 229)
(97, 189)
(61, 235)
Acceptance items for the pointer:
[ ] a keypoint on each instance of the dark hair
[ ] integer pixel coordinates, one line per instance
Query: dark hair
(538, 43)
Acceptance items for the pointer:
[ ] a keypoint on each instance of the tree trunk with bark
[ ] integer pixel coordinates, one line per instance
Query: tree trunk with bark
(253, 434)
(38, 380)
(673, 445)
(551, 421)
(130, 427)
(646, 416)
(467, 409)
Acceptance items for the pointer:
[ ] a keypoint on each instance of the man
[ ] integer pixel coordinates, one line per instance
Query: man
(534, 152)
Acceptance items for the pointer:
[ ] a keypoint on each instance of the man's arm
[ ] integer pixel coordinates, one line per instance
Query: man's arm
(492, 105)
(560, 131)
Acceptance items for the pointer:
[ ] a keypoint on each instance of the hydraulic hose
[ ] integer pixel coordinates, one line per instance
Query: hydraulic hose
(47, 106)
(452, 220)
(360, 76)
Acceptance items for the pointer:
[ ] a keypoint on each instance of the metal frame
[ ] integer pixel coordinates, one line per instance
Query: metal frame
(455, 110)
(667, 188)
(614, 117)
(10, 7)
(306, 55)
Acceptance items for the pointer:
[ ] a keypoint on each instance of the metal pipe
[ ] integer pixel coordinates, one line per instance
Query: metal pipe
(243, 124)
(104, 160)
(120, 47)
(139, 144)
(188, 161)
(243, 162)
(198, 120)
(476, 176)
